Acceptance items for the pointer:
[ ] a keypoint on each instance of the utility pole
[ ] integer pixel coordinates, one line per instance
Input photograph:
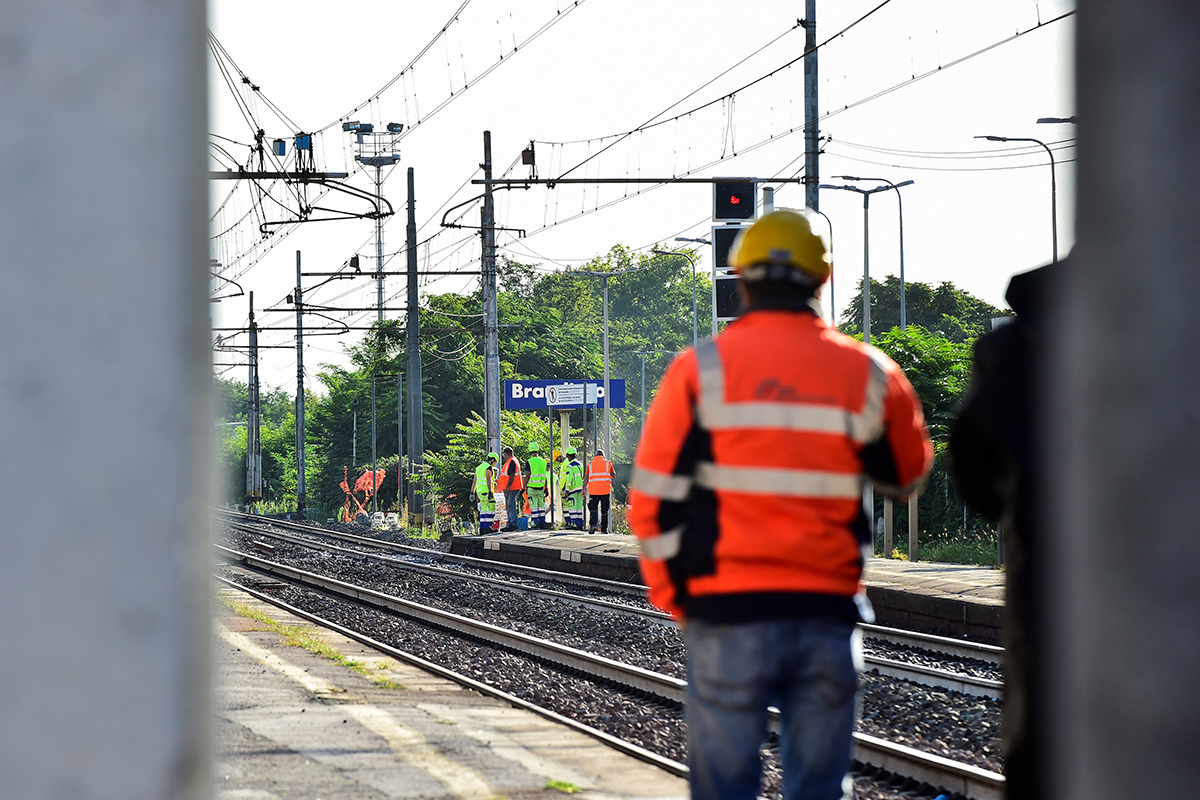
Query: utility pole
(416, 434)
(400, 437)
(811, 134)
(374, 453)
(607, 394)
(491, 328)
(253, 437)
(300, 504)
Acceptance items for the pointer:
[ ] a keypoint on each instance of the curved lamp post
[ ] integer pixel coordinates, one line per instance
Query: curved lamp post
(604, 276)
(866, 293)
(868, 491)
(1053, 186)
(900, 206)
(692, 261)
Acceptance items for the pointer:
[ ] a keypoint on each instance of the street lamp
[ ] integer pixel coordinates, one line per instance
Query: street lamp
(868, 490)
(900, 206)
(607, 395)
(643, 354)
(832, 310)
(1053, 185)
(866, 293)
(692, 261)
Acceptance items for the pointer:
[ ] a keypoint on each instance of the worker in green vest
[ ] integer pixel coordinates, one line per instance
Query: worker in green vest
(572, 490)
(538, 486)
(484, 475)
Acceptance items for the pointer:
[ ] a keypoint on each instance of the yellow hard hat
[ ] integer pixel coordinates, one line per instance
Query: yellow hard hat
(557, 454)
(783, 237)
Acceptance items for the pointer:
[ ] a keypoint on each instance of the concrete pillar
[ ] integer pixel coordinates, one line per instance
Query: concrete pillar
(105, 421)
(1123, 430)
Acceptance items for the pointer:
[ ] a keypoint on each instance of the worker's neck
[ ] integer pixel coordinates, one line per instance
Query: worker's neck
(785, 303)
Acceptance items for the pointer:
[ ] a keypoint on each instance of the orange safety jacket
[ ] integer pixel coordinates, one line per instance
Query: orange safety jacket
(506, 481)
(747, 488)
(600, 476)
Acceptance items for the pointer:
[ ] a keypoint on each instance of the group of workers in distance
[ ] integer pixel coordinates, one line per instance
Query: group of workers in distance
(528, 489)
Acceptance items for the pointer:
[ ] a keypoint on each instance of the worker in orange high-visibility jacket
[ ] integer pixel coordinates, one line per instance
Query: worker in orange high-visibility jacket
(514, 486)
(599, 486)
(747, 500)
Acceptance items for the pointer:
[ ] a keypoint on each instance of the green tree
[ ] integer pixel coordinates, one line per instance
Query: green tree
(944, 310)
(939, 370)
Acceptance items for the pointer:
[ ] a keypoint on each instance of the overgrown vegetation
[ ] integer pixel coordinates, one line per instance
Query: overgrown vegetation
(306, 639)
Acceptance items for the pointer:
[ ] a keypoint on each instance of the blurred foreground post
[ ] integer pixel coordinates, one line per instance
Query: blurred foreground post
(1123, 421)
(105, 424)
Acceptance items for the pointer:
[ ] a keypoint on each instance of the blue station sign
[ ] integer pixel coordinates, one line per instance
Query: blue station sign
(537, 395)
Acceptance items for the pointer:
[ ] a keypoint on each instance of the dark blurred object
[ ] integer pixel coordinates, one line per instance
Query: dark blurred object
(994, 451)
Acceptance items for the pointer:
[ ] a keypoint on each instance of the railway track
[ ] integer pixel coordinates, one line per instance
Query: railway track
(961, 778)
(956, 680)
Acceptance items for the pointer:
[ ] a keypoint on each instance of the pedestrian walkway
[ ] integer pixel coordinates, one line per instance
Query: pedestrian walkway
(293, 724)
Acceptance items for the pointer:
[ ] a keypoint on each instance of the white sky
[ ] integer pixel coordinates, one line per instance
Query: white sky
(977, 213)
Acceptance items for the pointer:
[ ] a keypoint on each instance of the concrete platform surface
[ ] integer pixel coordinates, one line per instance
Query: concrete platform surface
(291, 725)
(979, 584)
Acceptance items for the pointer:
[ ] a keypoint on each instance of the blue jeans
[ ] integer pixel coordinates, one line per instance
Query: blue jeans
(805, 668)
(512, 506)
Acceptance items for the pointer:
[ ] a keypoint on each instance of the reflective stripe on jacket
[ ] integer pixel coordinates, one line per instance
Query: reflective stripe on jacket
(749, 473)
(539, 473)
(600, 476)
(572, 476)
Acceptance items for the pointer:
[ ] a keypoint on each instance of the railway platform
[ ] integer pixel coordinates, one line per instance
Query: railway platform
(945, 599)
(349, 722)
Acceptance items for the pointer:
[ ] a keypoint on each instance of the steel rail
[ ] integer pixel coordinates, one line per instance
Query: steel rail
(941, 644)
(914, 673)
(629, 748)
(603, 605)
(972, 782)
(664, 686)
(632, 589)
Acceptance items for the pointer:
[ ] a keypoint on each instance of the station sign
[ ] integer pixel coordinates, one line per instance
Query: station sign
(534, 395)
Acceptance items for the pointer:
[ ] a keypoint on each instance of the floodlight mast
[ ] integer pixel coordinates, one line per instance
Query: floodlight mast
(378, 153)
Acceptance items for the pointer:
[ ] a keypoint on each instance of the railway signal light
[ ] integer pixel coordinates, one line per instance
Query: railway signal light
(722, 239)
(734, 199)
(729, 299)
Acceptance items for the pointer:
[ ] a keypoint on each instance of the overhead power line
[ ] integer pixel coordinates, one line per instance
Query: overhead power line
(558, 17)
(651, 123)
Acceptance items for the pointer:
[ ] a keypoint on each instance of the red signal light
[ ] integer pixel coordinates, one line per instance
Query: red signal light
(733, 199)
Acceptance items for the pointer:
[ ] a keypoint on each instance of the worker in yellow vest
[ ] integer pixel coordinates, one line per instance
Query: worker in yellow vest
(482, 492)
(599, 486)
(572, 491)
(539, 485)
